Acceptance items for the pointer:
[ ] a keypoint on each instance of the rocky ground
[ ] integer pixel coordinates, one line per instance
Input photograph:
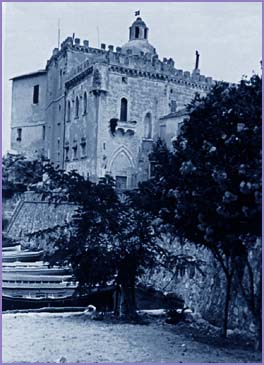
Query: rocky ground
(74, 337)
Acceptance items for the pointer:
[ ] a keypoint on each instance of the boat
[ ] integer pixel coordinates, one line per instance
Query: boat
(33, 268)
(28, 282)
(24, 256)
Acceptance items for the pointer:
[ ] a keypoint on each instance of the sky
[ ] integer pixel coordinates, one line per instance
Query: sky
(228, 36)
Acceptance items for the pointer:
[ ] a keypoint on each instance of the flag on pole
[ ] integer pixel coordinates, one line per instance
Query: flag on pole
(137, 12)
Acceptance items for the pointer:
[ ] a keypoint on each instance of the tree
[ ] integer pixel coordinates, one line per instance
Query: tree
(18, 173)
(210, 186)
(105, 241)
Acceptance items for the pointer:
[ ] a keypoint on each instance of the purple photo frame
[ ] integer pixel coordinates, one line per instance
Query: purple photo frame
(138, 2)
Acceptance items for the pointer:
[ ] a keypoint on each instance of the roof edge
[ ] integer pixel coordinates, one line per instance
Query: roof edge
(31, 74)
(179, 113)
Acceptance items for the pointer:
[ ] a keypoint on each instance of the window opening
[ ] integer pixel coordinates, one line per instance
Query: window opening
(77, 107)
(74, 153)
(68, 111)
(36, 94)
(85, 103)
(147, 126)
(123, 111)
(19, 134)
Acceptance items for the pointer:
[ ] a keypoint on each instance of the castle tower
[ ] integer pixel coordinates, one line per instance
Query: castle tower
(138, 39)
(138, 30)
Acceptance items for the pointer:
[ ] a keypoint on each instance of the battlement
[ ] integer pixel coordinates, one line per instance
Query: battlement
(143, 64)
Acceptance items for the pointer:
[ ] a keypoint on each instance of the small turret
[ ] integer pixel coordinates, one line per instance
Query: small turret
(138, 30)
(138, 39)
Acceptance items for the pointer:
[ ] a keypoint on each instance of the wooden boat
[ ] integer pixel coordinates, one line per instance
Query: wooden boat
(33, 268)
(102, 299)
(24, 256)
(29, 283)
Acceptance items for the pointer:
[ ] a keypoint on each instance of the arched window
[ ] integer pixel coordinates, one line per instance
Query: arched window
(146, 33)
(76, 107)
(147, 126)
(136, 32)
(123, 110)
(85, 103)
(68, 111)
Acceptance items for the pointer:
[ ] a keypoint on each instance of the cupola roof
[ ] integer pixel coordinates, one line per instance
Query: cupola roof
(138, 39)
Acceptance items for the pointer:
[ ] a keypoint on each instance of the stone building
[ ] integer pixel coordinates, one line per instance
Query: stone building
(99, 110)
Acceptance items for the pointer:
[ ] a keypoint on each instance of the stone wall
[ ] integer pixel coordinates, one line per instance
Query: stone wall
(33, 214)
(204, 291)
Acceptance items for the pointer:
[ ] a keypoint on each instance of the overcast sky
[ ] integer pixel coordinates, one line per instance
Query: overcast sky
(227, 35)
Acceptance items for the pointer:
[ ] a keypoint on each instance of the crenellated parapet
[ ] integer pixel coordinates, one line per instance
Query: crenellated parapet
(136, 65)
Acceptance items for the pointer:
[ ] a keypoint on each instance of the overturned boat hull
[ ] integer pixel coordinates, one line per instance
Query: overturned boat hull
(102, 299)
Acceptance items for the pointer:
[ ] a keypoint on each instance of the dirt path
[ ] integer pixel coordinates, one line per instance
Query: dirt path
(44, 337)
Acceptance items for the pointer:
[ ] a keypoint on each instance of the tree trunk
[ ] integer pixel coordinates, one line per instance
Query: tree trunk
(227, 302)
(127, 302)
(116, 301)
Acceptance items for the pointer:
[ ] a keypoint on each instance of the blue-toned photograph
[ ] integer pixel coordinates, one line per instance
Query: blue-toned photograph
(131, 182)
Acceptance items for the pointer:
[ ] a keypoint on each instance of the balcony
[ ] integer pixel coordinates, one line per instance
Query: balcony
(126, 127)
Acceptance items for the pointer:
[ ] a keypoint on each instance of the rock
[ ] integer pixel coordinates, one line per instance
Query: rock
(184, 348)
(62, 359)
(91, 311)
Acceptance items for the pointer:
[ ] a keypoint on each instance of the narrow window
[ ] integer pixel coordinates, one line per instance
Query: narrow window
(85, 103)
(43, 132)
(147, 126)
(74, 153)
(145, 33)
(68, 111)
(58, 149)
(77, 107)
(19, 134)
(83, 149)
(36, 94)
(123, 111)
(67, 154)
(136, 32)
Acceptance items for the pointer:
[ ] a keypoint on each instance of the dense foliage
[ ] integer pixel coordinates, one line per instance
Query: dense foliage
(209, 187)
(18, 172)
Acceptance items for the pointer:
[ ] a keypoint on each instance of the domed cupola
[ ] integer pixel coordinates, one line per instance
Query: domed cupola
(138, 39)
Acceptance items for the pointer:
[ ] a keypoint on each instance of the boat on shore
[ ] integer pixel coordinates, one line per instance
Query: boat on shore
(28, 282)
(20, 255)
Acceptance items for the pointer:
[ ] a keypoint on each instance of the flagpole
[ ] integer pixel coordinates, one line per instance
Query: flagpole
(58, 33)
